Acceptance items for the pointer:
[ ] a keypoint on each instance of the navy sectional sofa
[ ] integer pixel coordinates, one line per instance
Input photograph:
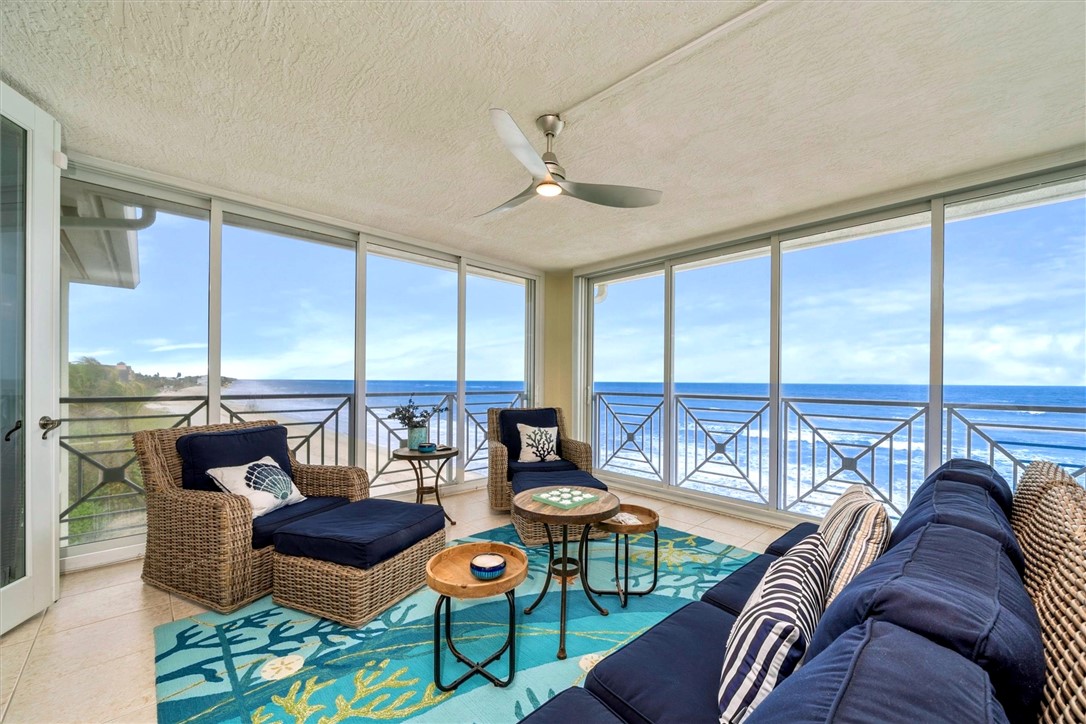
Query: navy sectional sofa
(938, 629)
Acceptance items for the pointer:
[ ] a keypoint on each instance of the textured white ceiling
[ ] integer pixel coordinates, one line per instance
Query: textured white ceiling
(376, 112)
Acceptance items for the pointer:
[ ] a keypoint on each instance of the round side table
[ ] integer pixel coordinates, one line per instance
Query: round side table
(449, 573)
(648, 522)
(604, 507)
(417, 460)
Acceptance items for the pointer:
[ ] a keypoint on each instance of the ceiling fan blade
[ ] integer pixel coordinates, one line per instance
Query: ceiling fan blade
(517, 143)
(515, 201)
(623, 197)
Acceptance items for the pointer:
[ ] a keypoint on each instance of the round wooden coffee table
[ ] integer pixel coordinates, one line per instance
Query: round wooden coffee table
(648, 522)
(449, 573)
(604, 507)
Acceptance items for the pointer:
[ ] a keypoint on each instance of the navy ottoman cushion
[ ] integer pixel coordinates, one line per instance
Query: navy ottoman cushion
(780, 546)
(202, 451)
(671, 672)
(265, 526)
(879, 672)
(732, 593)
(573, 705)
(983, 475)
(546, 466)
(530, 481)
(360, 534)
(957, 588)
(510, 435)
(963, 505)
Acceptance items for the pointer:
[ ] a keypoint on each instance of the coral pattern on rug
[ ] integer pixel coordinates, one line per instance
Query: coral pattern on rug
(266, 664)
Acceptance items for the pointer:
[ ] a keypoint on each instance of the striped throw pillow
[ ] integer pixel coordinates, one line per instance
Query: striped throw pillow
(857, 531)
(771, 634)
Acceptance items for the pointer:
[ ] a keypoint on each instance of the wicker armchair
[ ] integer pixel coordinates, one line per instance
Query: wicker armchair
(498, 488)
(199, 544)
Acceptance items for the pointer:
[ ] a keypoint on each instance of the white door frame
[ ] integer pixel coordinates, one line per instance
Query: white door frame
(40, 587)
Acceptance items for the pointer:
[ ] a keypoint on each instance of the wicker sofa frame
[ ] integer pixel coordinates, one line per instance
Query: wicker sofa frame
(199, 544)
(500, 490)
(352, 596)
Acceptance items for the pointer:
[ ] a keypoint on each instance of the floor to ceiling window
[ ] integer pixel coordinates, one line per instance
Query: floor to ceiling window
(721, 349)
(1015, 327)
(135, 348)
(411, 343)
(855, 332)
(497, 366)
(628, 375)
(288, 300)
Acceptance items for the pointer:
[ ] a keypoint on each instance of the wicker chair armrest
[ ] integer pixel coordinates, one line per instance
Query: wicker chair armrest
(497, 484)
(200, 519)
(497, 457)
(579, 453)
(341, 481)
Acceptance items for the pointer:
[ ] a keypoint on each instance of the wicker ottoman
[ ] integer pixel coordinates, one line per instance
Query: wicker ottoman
(351, 563)
(533, 533)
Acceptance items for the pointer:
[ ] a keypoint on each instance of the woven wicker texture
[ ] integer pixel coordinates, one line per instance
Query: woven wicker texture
(199, 544)
(1032, 521)
(498, 488)
(1061, 600)
(348, 595)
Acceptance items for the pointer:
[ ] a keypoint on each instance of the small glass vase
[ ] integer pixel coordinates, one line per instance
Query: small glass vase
(415, 436)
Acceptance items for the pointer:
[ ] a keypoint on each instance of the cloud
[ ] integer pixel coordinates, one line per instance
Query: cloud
(95, 353)
(184, 345)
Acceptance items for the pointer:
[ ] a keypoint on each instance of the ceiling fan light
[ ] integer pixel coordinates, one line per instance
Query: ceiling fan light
(548, 188)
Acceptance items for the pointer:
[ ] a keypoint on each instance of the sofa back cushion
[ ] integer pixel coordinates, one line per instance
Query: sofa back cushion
(956, 587)
(202, 451)
(879, 672)
(772, 633)
(535, 417)
(963, 505)
(857, 530)
(974, 472)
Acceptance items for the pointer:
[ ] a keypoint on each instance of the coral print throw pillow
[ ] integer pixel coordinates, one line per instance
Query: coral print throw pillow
(538, 444)
(266, 485)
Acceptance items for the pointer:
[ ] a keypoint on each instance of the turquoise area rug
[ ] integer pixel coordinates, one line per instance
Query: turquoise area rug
(266, 664)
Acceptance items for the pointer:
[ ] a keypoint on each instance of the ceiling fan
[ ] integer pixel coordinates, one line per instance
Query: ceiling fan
(549, 178)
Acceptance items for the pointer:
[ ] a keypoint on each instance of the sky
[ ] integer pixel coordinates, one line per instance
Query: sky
(853, 312)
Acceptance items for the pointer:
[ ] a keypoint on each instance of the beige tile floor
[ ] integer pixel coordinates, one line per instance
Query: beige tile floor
(90, 656)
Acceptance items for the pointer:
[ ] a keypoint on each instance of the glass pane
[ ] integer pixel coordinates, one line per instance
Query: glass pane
(134, 273)
(628, 375)
(288, 336)
(722, 376)
(495, 350)
(1015, 329)
(410, 354)
(12, 352)
(854, 362)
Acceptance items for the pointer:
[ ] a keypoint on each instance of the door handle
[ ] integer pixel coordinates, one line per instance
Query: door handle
(12, 431)
(48, 424)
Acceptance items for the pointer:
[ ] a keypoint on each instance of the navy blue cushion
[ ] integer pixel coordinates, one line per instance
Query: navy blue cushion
(573, 705)
(360, 534)
(546, 466)
(879, 672)
(510, 435)
(956, 587)
(781, 546)
(671, 672)
(202, 451)
(963, 505)
(732, 593)
(975, 472)
(265, 526)
(530, 481)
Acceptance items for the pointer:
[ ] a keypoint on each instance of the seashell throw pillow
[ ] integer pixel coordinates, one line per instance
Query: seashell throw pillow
(538, 444)
(266, 485)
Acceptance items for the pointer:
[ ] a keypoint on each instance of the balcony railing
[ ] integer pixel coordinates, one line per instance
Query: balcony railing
(105, 489)
(721, 444)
